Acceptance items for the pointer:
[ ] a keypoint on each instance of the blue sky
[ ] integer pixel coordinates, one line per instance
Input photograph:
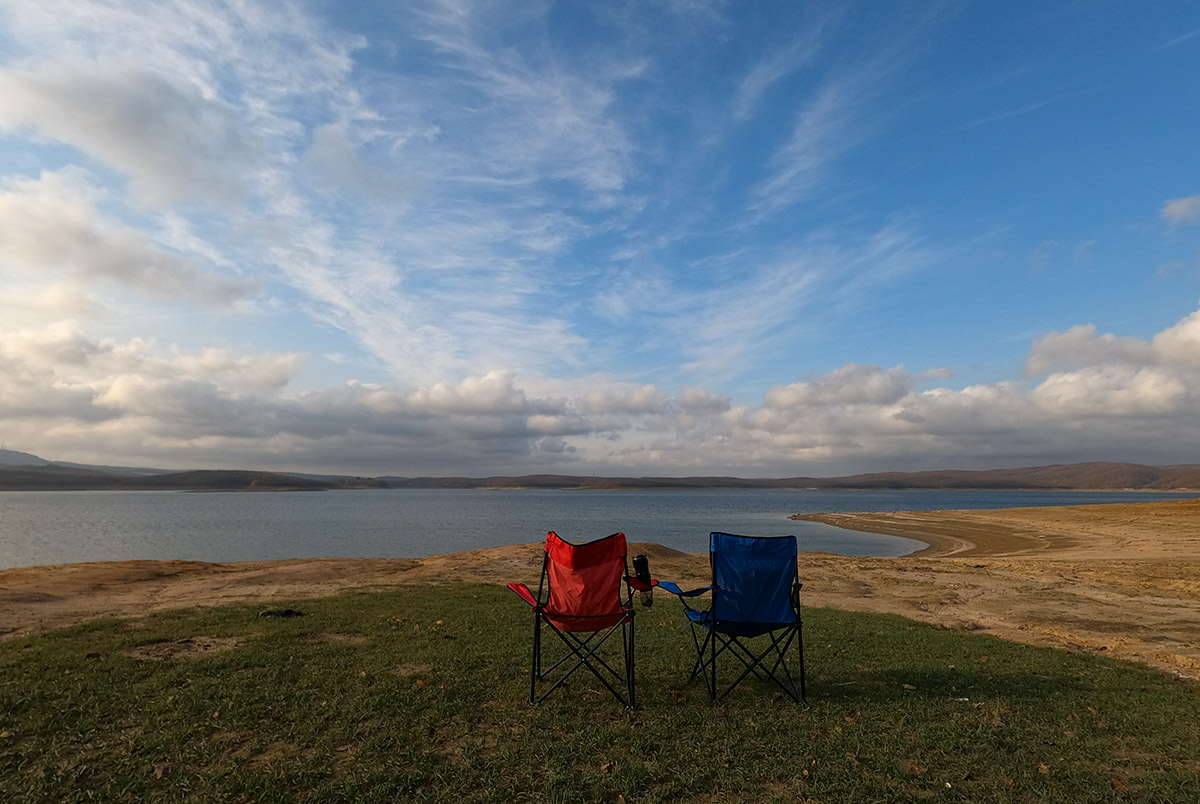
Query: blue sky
(759, 239)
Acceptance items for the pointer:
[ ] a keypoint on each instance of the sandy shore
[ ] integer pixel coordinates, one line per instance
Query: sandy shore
(1122, 580)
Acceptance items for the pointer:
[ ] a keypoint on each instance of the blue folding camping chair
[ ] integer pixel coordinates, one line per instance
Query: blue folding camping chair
(753, 614)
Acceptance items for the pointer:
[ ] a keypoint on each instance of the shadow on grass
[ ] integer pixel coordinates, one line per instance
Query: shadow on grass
(882, 686)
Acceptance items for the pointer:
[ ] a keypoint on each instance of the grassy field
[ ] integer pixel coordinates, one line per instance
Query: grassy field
(419, 695)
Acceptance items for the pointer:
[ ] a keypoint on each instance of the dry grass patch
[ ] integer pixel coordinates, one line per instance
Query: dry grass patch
(184, 649)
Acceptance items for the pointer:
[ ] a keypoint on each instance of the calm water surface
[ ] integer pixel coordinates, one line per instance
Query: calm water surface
(52, 527)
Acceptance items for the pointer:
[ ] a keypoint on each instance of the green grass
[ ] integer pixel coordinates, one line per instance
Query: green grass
(419, 695)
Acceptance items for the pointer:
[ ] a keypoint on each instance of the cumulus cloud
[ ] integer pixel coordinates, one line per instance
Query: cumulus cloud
(698, 401)
(1100, 396)
(1112, 392)
(849, 385)
(61, 344)
(246, 374)
(1179, 345)
(1176, 347)
(645, 399)
(493, 394)
(1080, 346)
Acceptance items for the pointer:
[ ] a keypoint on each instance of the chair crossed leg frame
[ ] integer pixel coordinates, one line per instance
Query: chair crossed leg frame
(715, 644)
(584, 650)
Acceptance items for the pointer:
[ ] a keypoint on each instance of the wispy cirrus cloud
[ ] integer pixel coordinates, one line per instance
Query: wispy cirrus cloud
(530, 118)
(836, 109)
(828, 126)
(801, 52)
(1179, 40)
(228, 101)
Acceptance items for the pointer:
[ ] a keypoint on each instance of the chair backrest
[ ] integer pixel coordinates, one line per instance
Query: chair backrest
(584, 579)
(753, 578)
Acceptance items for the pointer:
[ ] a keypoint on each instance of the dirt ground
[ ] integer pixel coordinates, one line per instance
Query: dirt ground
(1121, 580)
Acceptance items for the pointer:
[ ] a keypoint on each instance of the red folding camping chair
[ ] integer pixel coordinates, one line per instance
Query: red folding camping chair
(580, 600)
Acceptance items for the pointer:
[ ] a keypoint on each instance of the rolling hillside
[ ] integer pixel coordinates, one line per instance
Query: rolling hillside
(23, 471)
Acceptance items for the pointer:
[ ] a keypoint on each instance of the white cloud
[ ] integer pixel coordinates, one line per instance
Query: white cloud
(50, 228)
(777, 65)
(533, 119)
(493, 394)
(1080, 346)
(1182, 210)
(1112, 392)
(208, 406)
(645, 399)
(699, 402)
(335, 164)
(829, 125)
(35, 301)
(172, 141)
(835, 112)
(243, 374)
(58, 345)
(1179, 345)
(849, 385)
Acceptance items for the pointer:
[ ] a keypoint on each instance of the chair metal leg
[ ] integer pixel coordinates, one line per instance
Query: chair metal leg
(535, 664)
(768, 663)
(712, 663)
(629, 654)
(584, 653)
(800, 653)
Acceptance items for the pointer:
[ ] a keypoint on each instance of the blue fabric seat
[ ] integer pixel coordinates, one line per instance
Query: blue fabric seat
(755, 592)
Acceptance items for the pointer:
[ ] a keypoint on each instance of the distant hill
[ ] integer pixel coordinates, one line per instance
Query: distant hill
(69, 478)
(10, 457)
(1064, 477)
(225, 480)
(1074, 476)
(23, 471)
(49, 477)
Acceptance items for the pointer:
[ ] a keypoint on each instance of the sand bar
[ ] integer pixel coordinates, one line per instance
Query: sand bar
(1120, 580)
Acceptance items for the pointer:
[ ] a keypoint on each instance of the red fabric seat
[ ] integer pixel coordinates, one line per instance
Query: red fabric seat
(585, 582)
(580, 598)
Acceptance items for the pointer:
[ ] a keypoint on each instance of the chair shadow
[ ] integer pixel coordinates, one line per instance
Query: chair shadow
(967, 684)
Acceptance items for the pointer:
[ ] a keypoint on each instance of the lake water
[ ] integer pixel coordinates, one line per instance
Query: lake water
(52, 527)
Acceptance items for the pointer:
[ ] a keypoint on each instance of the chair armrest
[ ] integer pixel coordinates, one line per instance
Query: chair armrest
(523, 592)
(675, 590)
(641, 586)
